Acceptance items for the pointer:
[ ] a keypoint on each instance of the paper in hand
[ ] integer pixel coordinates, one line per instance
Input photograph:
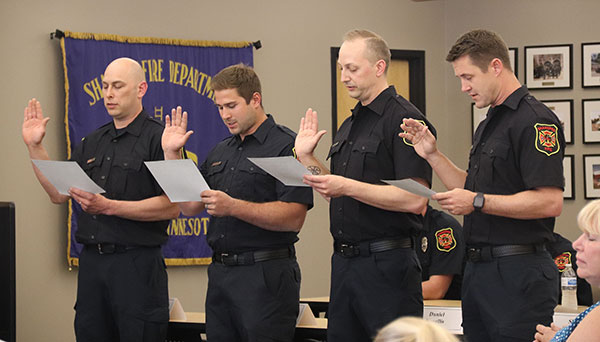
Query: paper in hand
(287, 170)
(64, 175)
(180, 179)
(412, 187)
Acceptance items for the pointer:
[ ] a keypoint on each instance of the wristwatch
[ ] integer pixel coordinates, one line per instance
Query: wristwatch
(478, 201)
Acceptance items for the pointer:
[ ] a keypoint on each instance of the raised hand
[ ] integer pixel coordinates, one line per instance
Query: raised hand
(175, 134)
(308, 135)
(419, 135)
(34, 123)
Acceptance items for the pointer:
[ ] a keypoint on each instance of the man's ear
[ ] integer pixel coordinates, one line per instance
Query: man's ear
(380, 65)
(256, 99)
(142, 89)
(497, 66)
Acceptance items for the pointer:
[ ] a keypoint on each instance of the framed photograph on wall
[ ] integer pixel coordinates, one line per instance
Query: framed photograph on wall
(564, 111)
(513, 54)
(549, 67)
(568, 171)
(477, 115)
(590, 65)
(591, 120)
(591, 175)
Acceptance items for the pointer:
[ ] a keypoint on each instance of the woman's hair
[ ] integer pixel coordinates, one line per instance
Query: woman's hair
(588, 218)
(414, 329)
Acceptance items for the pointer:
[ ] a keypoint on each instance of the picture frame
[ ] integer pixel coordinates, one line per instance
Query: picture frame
(513, 54)
(564, 111)
(590, 65)
(549, 66)
(591, 175)
(568, 172)
(477, 115)
(590, 113)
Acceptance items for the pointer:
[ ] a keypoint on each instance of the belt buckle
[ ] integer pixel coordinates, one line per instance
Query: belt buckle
(105, 248)
(474, 254)
(347, 250)
(229, 260)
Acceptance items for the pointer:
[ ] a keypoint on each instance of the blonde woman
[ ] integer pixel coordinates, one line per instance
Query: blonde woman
(414, 329)
(586, 326)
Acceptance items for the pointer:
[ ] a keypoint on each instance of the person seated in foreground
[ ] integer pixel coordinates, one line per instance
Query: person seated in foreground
(563, 253)
(414, 329)
(586, 326)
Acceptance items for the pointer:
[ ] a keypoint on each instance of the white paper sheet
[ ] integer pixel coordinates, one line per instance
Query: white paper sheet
(412, 187)
(180, 179)
(287, 170)
(66, 174)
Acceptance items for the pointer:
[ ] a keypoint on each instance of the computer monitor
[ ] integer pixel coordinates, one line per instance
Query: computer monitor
(7, 272)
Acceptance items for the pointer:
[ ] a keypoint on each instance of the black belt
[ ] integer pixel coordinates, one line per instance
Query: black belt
(110, 248)
(367, 247)
(489, 253)
(249, 258)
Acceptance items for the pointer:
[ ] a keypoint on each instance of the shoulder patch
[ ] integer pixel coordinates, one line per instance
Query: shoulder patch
(445, 240)
(422, 122)
(546, 138)
(562, 260)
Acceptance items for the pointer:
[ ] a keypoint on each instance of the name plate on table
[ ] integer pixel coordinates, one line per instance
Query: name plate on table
(561, 319)
(448, 317)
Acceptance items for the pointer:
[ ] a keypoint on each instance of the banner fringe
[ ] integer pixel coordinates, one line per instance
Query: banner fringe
(151, 40)
(169, 262)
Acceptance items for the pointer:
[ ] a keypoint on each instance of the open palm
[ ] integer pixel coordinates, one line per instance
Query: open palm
(308, 135)
(34, 123)
(175, 134)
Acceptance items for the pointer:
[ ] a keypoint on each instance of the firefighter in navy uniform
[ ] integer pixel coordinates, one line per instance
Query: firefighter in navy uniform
(441, 251)
(122, 292)
(563, 253)
(375, 275)
(254, 279)
(510, 195)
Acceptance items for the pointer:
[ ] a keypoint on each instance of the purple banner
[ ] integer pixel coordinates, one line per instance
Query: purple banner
(178, 73)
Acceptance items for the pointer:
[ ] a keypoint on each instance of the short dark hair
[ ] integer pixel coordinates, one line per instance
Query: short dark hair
(482, 46)
(240, 77)
(377, 47)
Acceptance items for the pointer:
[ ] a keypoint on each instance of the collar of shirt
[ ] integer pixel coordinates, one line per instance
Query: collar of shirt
(378, 104)
(260, 134)
(135, 127)
(512, 101)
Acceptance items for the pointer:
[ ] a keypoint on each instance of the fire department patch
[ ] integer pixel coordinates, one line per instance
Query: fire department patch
(562, 260)
(408, 142)
(445, 239)
(546, 138)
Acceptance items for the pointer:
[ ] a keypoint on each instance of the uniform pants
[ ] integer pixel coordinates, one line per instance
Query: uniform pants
(122, 296)
(253, 303)
(505, 298)
(367, 292)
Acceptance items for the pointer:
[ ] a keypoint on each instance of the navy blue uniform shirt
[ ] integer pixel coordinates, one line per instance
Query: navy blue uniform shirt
(228, 169)
(367, 148)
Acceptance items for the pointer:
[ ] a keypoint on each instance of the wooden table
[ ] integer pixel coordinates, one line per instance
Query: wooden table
(190, 330)
(444, 312)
